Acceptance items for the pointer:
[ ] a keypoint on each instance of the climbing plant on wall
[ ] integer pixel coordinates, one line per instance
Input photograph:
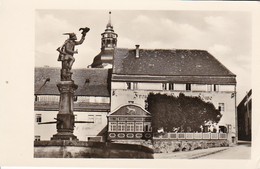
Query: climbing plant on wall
(183, 112)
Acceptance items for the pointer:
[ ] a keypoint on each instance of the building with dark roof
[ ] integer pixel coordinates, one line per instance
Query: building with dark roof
(139, 72)
(91, 101)
(134, 74)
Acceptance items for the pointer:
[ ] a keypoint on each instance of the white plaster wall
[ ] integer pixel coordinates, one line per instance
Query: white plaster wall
(45, 131)
(93, 99)
(149, 86)
(199, 87)
(122, 97)
(229, 88)
(118, 85)
(179, 87)
(81, 130)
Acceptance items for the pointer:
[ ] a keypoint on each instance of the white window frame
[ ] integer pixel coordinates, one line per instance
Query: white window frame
(121, 126)
(128, 85)
(188, 87)
(130, 126)
(135, 85)
(139, 127)
(112, 126)
(221, 107)
(215, 87)
(164, 86)
(38, 118)
(171, 86)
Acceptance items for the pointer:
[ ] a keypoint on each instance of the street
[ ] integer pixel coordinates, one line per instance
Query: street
(241, 151)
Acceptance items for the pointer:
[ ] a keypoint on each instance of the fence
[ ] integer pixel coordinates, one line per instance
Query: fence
(193, 136)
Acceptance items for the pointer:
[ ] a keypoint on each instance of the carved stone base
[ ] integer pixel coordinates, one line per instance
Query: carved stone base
(64, 136)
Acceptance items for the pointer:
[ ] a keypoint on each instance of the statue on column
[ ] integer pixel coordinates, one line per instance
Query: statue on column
(66, 52)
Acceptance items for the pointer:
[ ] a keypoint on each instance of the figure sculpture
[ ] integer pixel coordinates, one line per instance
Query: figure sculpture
(66, 52)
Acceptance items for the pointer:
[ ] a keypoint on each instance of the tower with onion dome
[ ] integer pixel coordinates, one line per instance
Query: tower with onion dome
(108, 42)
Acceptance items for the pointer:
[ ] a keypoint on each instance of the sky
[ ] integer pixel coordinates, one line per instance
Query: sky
(224, 34)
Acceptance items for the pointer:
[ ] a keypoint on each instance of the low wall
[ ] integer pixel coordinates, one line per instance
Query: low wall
(168, 146)
(82, 149)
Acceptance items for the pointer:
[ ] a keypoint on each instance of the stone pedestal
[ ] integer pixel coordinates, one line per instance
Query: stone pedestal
(65, 117)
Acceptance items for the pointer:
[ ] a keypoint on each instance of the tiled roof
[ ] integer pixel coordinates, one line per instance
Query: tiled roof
(91, 82)
(162, 62)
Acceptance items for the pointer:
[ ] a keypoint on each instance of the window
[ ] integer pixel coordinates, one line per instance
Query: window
(98, 119)
(171, 86)
(147, 126)
(131, 102)
(130, 126)
(37, 138)
(35, 98)
(135, 85)
(139, 127)
(188, 86)
(121, 126)
(216, 87)
(75, 117)
(167, 86)
(164, 86)
(209, 88)
(221, 107)
(38, 118)
(75, 98)
(112, 126)
(128, 84)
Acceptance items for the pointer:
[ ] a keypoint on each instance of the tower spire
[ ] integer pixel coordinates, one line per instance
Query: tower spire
(109, 37)
(109, 24)
(108, 43)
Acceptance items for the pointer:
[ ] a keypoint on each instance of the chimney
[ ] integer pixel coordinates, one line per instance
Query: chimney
(137, 51)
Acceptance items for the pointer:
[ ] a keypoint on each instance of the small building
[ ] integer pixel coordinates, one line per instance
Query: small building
(244, 118)
(129, 123)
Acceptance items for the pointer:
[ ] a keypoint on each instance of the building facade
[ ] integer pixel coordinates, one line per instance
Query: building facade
(115, 98)
(244, 116)
(129, 122)
(91, 102)
(139, 72)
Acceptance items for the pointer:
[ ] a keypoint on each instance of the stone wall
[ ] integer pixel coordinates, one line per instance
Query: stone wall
(82, 149)
(168, 146)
